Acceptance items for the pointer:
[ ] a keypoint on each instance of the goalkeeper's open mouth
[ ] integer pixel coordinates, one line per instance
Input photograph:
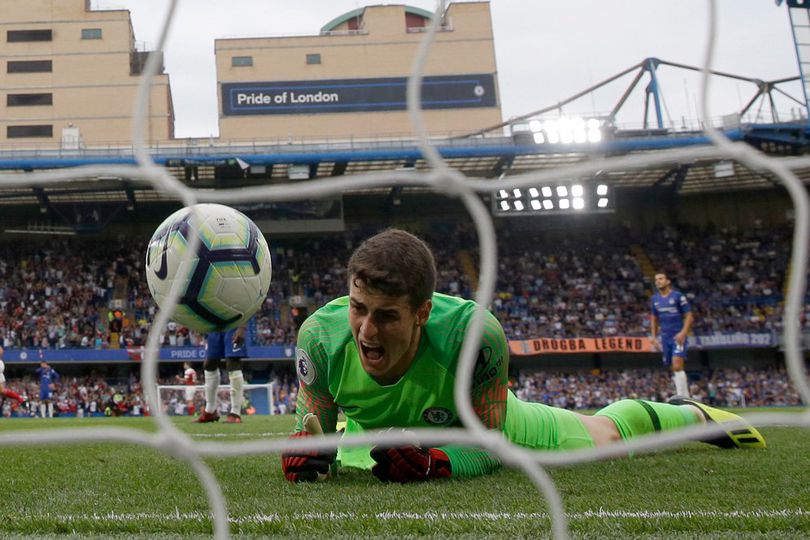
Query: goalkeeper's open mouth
(372, 355)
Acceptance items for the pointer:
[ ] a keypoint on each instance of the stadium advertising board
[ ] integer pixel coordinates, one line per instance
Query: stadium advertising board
(630, 344)
(528, 347)
(355, 95)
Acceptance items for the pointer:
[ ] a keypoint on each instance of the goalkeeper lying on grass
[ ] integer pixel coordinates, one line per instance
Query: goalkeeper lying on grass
(387, 355)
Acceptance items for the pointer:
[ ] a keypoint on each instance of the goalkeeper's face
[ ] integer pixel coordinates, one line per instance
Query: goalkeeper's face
(386, 331)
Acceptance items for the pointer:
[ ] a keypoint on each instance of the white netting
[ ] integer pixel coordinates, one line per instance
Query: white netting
(452, 183)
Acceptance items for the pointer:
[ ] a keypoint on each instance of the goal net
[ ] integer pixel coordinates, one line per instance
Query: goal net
(435, 173)
(176, 398)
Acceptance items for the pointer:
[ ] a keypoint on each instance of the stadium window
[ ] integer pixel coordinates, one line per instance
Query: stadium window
(313, 59)
(240, 61)
(16, 36)
(29, 66)
(91, 33)
(17, 132)
(25, 100)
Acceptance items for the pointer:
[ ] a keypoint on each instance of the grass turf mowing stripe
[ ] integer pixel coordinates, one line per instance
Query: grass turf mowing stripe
(113, 517)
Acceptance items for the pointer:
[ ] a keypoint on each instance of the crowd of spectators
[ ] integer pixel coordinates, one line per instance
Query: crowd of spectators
(569, 284)
(580, 285)
(744, 387)
(90, 395)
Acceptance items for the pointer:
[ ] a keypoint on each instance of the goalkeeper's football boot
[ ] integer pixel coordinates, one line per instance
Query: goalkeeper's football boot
(742, 436)
(206, 417)
(233, 418)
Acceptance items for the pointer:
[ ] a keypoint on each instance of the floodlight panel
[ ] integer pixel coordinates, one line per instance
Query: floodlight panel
(533, 193)
(536, 205)
(579, 203)
(565, 204)
(601, 190)
(562, 191)
(602, 203)
(576, 190)
(547, 191)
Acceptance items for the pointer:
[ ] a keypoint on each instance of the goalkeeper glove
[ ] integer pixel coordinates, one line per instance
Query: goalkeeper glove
(405, 464)
(306, 465)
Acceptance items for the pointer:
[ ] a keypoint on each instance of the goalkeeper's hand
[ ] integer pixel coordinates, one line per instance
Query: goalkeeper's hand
(410, 463)
(307, 465)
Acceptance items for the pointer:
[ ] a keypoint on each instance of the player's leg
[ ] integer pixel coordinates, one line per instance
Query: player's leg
(743, 435)
(44, 400)
(539, 426)
(190, 393)
(5, 391)
(215, 352)
(636, 417)
(237, 379)
(542, 427)
(678, 373)
(211, 375)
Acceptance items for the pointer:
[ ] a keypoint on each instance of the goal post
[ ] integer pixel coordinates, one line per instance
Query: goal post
(174, 397)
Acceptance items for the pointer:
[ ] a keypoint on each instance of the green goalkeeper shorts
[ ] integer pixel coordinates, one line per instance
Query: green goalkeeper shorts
(539, 426)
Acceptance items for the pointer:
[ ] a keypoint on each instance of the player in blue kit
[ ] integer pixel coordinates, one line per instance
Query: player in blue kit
(231, 346)
(671, 315)
(48, 377)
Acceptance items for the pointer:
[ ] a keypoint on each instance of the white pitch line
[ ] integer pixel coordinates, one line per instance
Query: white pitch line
(177, 516)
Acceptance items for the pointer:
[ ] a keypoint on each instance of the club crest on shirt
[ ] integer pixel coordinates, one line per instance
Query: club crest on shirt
(304, 367)
(438, 416)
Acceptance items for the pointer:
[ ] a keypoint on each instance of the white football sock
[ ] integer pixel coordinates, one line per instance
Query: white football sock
(237, 391)
(50, 409)
(681, 384)
(42, 410)
(211, 387)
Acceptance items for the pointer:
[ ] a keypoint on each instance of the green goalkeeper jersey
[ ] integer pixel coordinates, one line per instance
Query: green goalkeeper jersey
(332, 377)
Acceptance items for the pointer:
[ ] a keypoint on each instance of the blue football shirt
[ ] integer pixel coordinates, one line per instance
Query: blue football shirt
(670, 310)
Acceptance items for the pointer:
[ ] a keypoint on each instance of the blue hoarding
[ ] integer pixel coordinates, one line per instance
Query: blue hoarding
(135, 354)
(355, 95)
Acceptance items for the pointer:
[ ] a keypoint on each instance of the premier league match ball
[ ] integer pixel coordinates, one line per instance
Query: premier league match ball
(225, 282)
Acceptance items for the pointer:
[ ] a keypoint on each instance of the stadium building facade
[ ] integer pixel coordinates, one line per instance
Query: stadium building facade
(71, 74)
(349, 82)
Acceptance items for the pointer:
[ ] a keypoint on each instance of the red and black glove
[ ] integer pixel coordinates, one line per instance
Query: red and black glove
(306, 465)
(405, 464)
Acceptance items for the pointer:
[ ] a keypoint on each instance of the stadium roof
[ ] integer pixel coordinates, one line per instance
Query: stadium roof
(234, 165)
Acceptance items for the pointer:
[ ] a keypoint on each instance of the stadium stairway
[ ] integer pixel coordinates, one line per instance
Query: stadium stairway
(643, 261)
(467, 264)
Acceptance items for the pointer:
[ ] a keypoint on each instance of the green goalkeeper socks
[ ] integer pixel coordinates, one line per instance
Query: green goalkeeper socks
(636, 417)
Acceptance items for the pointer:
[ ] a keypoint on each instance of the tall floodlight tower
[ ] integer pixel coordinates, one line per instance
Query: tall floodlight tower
(799, 13)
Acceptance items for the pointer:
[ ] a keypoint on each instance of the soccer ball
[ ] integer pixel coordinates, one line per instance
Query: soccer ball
(226, 280)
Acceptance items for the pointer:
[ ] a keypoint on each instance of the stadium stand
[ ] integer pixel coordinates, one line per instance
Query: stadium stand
(578, 285)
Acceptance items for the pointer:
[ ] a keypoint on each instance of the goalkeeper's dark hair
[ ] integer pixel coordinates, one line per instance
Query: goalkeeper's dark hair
(395, 263)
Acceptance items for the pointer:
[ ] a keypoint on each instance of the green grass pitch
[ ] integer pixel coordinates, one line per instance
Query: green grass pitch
(115, 490)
